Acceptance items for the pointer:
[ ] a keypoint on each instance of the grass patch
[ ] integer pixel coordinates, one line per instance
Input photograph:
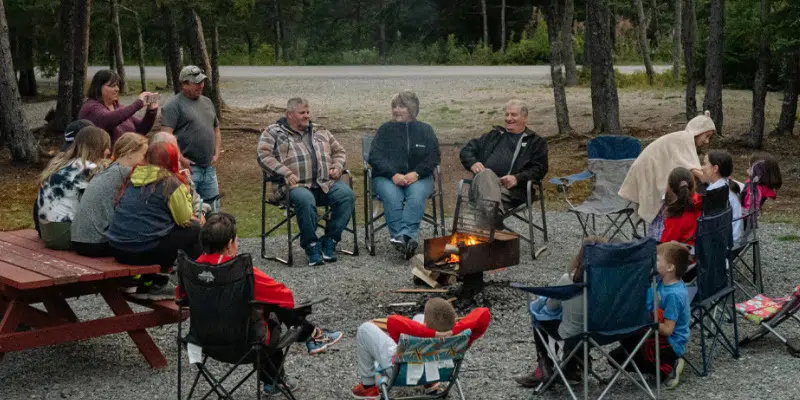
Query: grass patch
(788, 238)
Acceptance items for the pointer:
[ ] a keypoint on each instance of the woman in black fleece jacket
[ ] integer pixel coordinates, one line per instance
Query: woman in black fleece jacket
(403, 156)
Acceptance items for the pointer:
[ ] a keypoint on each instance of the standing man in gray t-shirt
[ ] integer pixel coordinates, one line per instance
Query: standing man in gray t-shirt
(190, 116)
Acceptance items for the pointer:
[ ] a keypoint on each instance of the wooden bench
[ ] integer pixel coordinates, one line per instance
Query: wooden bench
(31, 274)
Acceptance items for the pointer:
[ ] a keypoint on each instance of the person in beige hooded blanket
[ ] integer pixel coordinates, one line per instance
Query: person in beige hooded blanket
(646, 181)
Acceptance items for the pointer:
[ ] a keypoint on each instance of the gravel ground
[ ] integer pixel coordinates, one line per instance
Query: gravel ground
(359, 288)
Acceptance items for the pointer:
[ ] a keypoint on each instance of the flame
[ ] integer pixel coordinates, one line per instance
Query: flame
(467, 240)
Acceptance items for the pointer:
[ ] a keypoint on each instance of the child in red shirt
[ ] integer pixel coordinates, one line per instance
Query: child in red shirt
(221, 244)
(764, 170)
(374, 345)
(683, 208)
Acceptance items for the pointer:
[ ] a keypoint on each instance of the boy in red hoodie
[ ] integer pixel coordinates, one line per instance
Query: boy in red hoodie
(374, 345)
(221, 244)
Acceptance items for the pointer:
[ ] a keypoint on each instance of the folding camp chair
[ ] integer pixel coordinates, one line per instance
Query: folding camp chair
(713, 297)
(422, 361)
(226, 324)
(609, 159)
(435, 217)
(616, 279)
(768, 314)
(522, 212)
(746, 252)
(268, 198)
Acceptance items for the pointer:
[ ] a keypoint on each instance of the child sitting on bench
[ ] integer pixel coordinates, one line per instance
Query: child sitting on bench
(374, 345)
(221, 244)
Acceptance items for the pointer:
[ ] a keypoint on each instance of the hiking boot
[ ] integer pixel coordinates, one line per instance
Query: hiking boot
(399, 243)
(314, 255)
(542, 373)
(411, 247)
(675, 376)
(285, 385)
(328, 249)
(321, 339)
(363, 392)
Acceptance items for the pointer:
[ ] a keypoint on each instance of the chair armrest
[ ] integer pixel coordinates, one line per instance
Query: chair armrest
(288, 338)
(564, 292)
(273, 178)
(571, 179)
(300, 306)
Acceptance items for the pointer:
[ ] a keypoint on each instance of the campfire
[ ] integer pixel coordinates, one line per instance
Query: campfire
(456, 242)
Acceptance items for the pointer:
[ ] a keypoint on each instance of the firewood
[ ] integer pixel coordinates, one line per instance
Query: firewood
(426, 276)
(408, 304)
(418, 290)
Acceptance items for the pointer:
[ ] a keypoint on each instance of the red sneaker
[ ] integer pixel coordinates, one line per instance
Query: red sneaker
(369, 393)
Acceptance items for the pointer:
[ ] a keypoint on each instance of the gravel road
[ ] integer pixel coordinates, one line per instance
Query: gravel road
(359, 288)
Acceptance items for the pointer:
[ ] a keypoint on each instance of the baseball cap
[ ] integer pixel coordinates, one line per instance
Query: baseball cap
(72, 129)
(192, 73)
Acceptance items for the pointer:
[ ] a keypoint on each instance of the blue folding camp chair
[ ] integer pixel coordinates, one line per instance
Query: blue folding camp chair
(616, 279)
(609, 159)
(713, 300)
(435, 217)
(422, 361)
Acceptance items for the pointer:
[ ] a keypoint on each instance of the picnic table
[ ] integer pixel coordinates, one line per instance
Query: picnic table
(31, 274)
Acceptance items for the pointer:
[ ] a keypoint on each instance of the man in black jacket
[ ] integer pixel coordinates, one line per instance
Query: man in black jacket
(505, 159)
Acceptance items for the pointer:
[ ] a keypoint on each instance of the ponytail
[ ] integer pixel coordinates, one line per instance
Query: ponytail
(679, 196)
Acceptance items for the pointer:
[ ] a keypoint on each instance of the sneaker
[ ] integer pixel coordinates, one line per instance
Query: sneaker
(314, 255)
(411, 247)
(675, 376)
(321, 340)
(155, 292)
(399, 243)
(532, 380)
(328, 250)
(286, 385)
(362, 392)
(434, 389)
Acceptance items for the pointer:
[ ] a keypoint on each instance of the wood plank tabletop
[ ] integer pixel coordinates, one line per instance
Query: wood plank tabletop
(21, 278)
(44, 264)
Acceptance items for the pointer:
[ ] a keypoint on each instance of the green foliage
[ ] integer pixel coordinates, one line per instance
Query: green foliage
(535, 50)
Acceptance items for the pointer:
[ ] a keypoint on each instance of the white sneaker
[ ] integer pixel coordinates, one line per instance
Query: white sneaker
(674, 377)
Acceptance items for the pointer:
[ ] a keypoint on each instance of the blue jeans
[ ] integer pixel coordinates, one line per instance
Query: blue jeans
(340, 199)
(205, 181)
(403, 206)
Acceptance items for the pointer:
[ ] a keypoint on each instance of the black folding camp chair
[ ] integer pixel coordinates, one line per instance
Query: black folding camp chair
(280, 198)
(616, 279)
(227, 325)
(713, 301)
(434, 217)
(522, 212)
(609, 159)
(746, 252)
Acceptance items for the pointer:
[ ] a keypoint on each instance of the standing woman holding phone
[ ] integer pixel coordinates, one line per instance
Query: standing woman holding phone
(102, 107)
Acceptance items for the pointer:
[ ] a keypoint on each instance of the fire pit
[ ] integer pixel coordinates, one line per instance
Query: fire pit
(474, 246)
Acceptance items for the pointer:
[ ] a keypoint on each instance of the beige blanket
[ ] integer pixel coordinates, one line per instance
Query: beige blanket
(646, 181)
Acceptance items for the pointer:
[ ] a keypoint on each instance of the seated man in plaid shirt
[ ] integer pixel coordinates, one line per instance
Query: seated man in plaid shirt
(311, 162)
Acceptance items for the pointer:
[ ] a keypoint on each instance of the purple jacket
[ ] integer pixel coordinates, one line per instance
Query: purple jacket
(120, 120)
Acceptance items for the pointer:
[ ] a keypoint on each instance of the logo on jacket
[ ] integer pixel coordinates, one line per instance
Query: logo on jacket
(206, 276)
(419, 145)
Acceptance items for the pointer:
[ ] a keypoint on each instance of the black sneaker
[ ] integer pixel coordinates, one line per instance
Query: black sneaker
(328, 249)
(314, 255)
(399, 243)
(155, 292)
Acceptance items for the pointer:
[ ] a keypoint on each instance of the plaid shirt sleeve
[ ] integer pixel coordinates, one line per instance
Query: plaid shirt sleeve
(268, 153)
(338, 154)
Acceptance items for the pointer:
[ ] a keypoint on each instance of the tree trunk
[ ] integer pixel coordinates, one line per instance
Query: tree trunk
(197, 46)
(357, 33)
(676, 40)
(644, 46)
(216, 98)
(172, 43)
(117, 41)
(567, 53)
(791, 89)
(65, 69)
(82, 23)
(756, 134)
(689, 36)
(112, 60)
(12, 122)
(278, 33)
(714, 58)
(503, 26)
(382, 29)
(605, 101)
(587, 32)
(554, 21)
(485, 24)
(26, 64)
(142, 73)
